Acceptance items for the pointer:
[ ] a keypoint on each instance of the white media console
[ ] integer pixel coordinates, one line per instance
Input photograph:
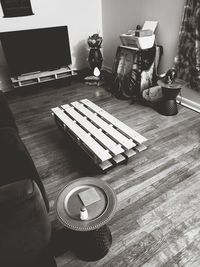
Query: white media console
(42, 76)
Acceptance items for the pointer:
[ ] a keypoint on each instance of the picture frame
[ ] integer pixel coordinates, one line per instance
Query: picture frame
(16, 8)
(126, 73)
(134, 70)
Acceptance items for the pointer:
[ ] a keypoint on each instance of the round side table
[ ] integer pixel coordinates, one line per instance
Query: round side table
(168, 106)
(91, 237)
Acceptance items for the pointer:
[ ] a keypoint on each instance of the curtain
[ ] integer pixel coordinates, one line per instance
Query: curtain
(187, 61)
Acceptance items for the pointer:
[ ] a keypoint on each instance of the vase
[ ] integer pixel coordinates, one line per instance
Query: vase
(95, 58)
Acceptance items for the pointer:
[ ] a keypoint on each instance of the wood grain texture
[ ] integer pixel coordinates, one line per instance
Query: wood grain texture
(157, 222)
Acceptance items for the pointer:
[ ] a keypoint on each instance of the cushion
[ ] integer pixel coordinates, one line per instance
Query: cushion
(152, 94)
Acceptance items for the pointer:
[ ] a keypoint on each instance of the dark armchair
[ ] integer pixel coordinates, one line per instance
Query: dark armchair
(25, 229)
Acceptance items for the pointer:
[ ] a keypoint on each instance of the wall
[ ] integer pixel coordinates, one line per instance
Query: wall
(82, 17)
(118, 16)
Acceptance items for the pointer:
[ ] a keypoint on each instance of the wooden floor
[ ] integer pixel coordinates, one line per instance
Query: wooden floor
(157, 222)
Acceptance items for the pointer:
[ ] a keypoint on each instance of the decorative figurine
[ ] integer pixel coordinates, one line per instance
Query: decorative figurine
(95, 58)
(170, 76)
(83, 213)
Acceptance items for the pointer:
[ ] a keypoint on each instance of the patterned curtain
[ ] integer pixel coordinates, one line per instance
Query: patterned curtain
(187, 61)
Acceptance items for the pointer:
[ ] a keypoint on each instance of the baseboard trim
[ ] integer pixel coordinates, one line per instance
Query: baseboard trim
(106, 68)
(188, 103)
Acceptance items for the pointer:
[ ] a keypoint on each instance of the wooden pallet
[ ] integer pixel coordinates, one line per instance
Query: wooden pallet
(41, 76)
(107, 140)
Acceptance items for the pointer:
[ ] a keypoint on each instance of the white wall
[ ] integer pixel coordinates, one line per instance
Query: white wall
(83, 18)
(86, 17)
(118, 16)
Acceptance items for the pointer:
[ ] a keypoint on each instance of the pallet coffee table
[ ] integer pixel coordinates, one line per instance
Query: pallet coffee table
(106, 139)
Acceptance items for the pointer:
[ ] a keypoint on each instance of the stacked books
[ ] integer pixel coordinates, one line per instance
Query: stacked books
(93, 80)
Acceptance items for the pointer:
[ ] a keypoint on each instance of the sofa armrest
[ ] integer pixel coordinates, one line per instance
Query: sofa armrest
(24, 226)
(6, 116)
(14, 194)
(16, 162)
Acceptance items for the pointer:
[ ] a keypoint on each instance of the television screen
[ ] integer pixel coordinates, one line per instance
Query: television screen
(35, 50)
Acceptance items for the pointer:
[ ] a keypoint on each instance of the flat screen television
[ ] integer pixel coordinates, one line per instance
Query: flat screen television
(35, 50)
